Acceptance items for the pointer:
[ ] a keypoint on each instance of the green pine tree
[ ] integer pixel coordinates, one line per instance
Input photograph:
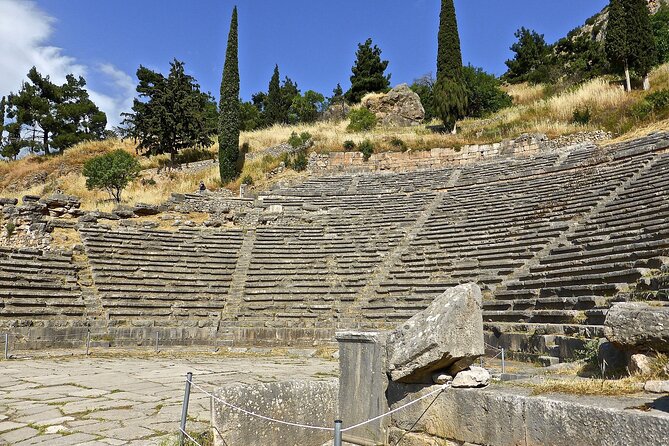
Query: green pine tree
(230, 107)
(450, 92)
(173, 113)
(274, 100)
(368, 73)
(52, 116)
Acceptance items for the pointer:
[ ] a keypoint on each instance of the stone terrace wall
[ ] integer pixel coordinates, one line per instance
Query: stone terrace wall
(524, 146)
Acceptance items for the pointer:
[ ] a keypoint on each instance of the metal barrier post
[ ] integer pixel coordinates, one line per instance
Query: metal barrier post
(88, 342)
(503, 362)
(337, 433)
(6, 345)
(156, 342)
(184, 409)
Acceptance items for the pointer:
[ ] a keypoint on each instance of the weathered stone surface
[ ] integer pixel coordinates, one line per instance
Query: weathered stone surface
(511, 417)
(61, 201)
(441, 378)
(640, 364)
(143, 210)
(657, 387)
(638, 326)
(307, 402)
(400, 107)
(450, 330)
(30, 199)
(472, 378)
(123, 212)
(400, 437)
(363, 382)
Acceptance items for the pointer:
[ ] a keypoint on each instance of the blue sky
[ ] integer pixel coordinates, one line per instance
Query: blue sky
(313, 41)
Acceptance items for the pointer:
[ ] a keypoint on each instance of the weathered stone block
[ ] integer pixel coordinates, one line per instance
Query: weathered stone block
(472, 378)
(363, 382)
(511, 417)
(450, 330)
(306, 402)
(638, 326)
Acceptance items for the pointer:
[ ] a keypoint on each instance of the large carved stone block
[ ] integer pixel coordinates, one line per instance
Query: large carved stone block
(448, 334)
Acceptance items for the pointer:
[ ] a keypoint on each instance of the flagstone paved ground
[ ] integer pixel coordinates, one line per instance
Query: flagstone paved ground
(125, 400)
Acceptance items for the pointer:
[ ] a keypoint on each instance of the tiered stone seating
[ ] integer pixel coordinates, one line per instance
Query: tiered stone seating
(505, 168)
(600, 260)
(35, 285)
(309, 275)
(484, 233)
(151, 274)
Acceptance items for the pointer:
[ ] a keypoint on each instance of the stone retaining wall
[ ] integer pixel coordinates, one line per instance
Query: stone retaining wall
(511, 417)
(524, 146)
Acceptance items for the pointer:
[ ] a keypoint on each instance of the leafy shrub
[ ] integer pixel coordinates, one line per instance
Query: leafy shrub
(247, 180)
(581, 117)
(361, 120)
(483, 93)
(306, 136)
(111, 172)
(367, 149)
(655, 103)
(10, 229)
(641, 110)
(659, 99)
(296, 140)
(193, 155)
(398, 144)
(148, 182)
(300, 161)
(348, 145)
(297, 161)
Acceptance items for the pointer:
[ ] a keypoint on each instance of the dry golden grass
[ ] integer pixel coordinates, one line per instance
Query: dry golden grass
(597, 95)
(523, 94)
(609, 106)
(601, 387)
(65, 238)
(13, 175)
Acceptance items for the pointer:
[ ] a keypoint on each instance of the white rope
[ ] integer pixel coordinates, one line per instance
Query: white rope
(493, 347)
(189, 437)
(427, 395)
(262, 417)
(306, 426)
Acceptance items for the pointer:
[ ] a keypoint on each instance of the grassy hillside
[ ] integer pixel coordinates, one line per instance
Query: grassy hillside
(609, 108)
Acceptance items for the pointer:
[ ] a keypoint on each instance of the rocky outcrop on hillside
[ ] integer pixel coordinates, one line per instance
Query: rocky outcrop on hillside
(596, 25)
(400, 107)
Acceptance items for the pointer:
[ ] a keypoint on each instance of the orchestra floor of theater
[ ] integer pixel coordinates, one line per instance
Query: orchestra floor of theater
(126, 397)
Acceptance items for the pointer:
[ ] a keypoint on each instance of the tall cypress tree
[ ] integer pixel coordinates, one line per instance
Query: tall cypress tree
(450, 92)
(274, 101)
(3, 102)
(229, 123)
(629, 42)
(641, 39)
(617, 43)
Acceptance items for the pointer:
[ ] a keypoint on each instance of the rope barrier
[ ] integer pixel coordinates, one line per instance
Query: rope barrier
(262, 417)
(189, 437)
(306, 426)
(427, 395)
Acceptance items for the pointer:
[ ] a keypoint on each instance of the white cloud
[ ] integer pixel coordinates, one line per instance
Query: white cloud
(124, 88)
(24, 36)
